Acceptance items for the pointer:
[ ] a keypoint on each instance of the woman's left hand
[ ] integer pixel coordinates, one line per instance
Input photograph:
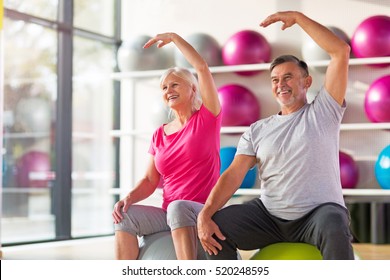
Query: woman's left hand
(161, 40)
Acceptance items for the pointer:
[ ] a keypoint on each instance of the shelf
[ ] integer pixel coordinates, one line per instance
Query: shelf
(246, 67)
(28, 135)
(224, 130)
(364, 126)
(76, 176)
(46, 190)
(366, 192)
(25, 135)
(363, 193)
(233, 129)
(372, 158)
(346, 192)
(242, 129)
(120, 133)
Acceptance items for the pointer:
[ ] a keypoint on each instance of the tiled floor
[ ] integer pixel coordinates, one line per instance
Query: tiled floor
(103, 249)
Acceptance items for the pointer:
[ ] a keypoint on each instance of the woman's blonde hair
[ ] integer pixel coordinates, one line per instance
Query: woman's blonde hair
(186, 75)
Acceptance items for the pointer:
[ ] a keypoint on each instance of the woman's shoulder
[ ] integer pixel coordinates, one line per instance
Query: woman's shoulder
(159, 131)
(203, 110)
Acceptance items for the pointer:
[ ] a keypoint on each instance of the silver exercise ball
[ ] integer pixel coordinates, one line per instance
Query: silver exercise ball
(312, 52)
(206, 45)
(159, 246)
(132, 56)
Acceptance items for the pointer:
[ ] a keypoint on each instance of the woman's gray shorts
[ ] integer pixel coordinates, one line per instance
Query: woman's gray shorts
(140, 220)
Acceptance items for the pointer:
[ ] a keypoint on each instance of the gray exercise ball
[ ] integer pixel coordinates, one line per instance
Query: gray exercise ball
(312, 52)
(159, 246)
(132, 56)
(206, 45)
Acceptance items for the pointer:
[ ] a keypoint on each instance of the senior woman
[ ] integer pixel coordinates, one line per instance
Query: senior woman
(183, 152)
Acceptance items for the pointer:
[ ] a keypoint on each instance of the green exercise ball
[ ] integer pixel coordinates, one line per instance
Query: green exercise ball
(288, 251)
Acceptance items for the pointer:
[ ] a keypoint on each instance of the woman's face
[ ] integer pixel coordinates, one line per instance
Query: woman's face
(177, 92)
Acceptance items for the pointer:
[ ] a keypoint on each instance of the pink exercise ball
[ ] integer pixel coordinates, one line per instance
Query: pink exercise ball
(239, 105)
(349, 172)
(377, 100)
(32, 169)
(372, 38)
(246, 47)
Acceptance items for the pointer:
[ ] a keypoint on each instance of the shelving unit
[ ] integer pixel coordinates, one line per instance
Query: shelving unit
(364, 194)
(133, 76)
(242, 129)
(131, 132)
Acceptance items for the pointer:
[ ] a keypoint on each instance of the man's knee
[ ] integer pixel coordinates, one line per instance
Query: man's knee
(334, 221)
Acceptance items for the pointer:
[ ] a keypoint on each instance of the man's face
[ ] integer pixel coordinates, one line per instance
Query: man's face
(289, 86)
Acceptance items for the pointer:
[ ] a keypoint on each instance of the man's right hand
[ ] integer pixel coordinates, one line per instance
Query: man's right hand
(206, 229)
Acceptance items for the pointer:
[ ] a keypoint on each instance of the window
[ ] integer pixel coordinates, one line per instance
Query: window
(45, 195)
(93, 148)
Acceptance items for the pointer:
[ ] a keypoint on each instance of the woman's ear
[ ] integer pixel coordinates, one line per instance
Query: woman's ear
(193, 89)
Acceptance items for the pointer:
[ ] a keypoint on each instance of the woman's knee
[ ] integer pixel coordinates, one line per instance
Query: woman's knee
(129, 222)
(142, 220)
(182, 213)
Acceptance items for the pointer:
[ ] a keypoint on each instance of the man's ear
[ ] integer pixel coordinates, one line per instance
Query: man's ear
(308, 81)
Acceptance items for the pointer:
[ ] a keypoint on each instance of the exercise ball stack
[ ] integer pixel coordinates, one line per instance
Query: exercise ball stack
(377, 100)
(246, 47)
(371, 38)
(227, 155)
(349, 172)
(239, 105)
(382, 168)
(206, 45)
(132, 56)
(32, 169)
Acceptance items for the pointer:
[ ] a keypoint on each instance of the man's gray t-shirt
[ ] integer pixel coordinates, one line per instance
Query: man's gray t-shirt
(298, 157)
